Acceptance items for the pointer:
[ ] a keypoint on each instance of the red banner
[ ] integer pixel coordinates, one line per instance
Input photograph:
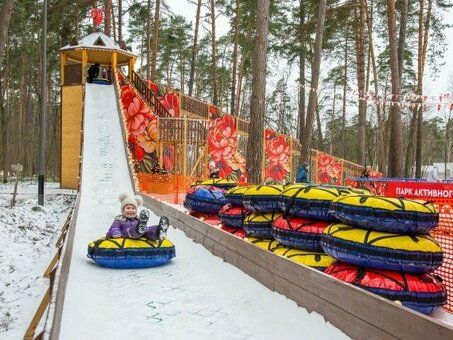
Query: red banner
(424, 190)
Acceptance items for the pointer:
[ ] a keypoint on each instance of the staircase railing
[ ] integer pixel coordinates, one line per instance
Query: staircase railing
(148, 96)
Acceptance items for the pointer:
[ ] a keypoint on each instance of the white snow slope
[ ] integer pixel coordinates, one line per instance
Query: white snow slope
(197, 296)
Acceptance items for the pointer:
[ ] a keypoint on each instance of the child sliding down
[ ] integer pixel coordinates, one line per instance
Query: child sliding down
(128, 225)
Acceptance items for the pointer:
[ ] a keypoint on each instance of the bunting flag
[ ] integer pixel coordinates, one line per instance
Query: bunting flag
(408, 101)
(98, 15)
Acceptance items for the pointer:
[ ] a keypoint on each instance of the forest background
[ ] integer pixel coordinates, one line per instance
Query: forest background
(344, 77)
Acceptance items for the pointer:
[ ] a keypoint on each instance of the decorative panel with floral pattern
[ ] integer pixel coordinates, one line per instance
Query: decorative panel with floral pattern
(277, 158)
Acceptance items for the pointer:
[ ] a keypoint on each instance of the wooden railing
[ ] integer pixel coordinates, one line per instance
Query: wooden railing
(148, 96)
(49, 273)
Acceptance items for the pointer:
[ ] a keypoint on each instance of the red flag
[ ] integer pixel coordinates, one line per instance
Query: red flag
(98, 15)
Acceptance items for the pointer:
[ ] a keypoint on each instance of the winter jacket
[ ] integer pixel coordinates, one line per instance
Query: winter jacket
(127, 227)
(302, 175)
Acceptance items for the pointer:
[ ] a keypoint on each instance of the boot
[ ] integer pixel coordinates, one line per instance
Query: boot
(163, 227)
(142, 221)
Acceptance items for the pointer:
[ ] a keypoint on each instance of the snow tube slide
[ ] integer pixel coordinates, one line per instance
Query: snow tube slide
(258, 224)
(130, 253)
(234, 195)
(311, 201)
(374, 249)
(316, 260)
(298, 232)
(216, 182)
(393, 215)
(233, 215)
(422, 292)
(204, 199)
(262, 198)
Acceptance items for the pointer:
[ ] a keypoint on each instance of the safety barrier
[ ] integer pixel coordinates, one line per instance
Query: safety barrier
(54, 279)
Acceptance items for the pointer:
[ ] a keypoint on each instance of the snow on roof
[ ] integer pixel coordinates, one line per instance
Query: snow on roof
(95, 40)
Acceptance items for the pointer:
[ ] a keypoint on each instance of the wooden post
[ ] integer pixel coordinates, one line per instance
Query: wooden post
(184, 150)
(29, 334)
(63, 62)
(84, 65)
(17, 168)
(114, 61)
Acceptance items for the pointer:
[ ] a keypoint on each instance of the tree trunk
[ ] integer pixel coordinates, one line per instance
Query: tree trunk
(235, 58)
(360, 55)
(108, 18)
(380, 120)
(120, 20)
(6, 9)
(422, 48)
(302, 55)
(402, 37)
(155, 40)
(345, 89)
(257, 103)
(312, 100)
(395, 168)
(213, 55)
(194, 49)
(148, 41)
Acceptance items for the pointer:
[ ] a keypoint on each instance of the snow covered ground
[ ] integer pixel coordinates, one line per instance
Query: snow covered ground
(28, 233)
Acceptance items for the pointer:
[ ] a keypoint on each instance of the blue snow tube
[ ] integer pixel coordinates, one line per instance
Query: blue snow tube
(204, 199)
(122, 253)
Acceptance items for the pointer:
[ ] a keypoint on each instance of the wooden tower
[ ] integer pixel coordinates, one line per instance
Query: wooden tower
(75, 61)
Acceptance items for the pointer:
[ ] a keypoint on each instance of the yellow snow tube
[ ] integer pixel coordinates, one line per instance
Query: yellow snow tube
(130, 253)
(374, 249)
(388, 214)
(318, 260)
(262, 198)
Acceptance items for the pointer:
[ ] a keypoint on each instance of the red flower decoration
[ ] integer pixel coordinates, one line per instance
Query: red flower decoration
(277, 172)
(225, 169)
(127, 95)
(139, 153)
(138, 116)
(222, 139)
(329, 170)
(268, 134)
(277, 150)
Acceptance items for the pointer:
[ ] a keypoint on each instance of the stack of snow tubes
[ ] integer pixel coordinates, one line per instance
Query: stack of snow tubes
(306, 214)
(262, 202)
(207, 196)
(233, 213)
(383, 245)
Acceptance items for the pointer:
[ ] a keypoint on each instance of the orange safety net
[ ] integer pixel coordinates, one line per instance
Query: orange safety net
(444, 235)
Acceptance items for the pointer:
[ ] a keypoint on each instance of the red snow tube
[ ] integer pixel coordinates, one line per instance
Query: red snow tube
(233, 216)
(422, 292)
(298, 232)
